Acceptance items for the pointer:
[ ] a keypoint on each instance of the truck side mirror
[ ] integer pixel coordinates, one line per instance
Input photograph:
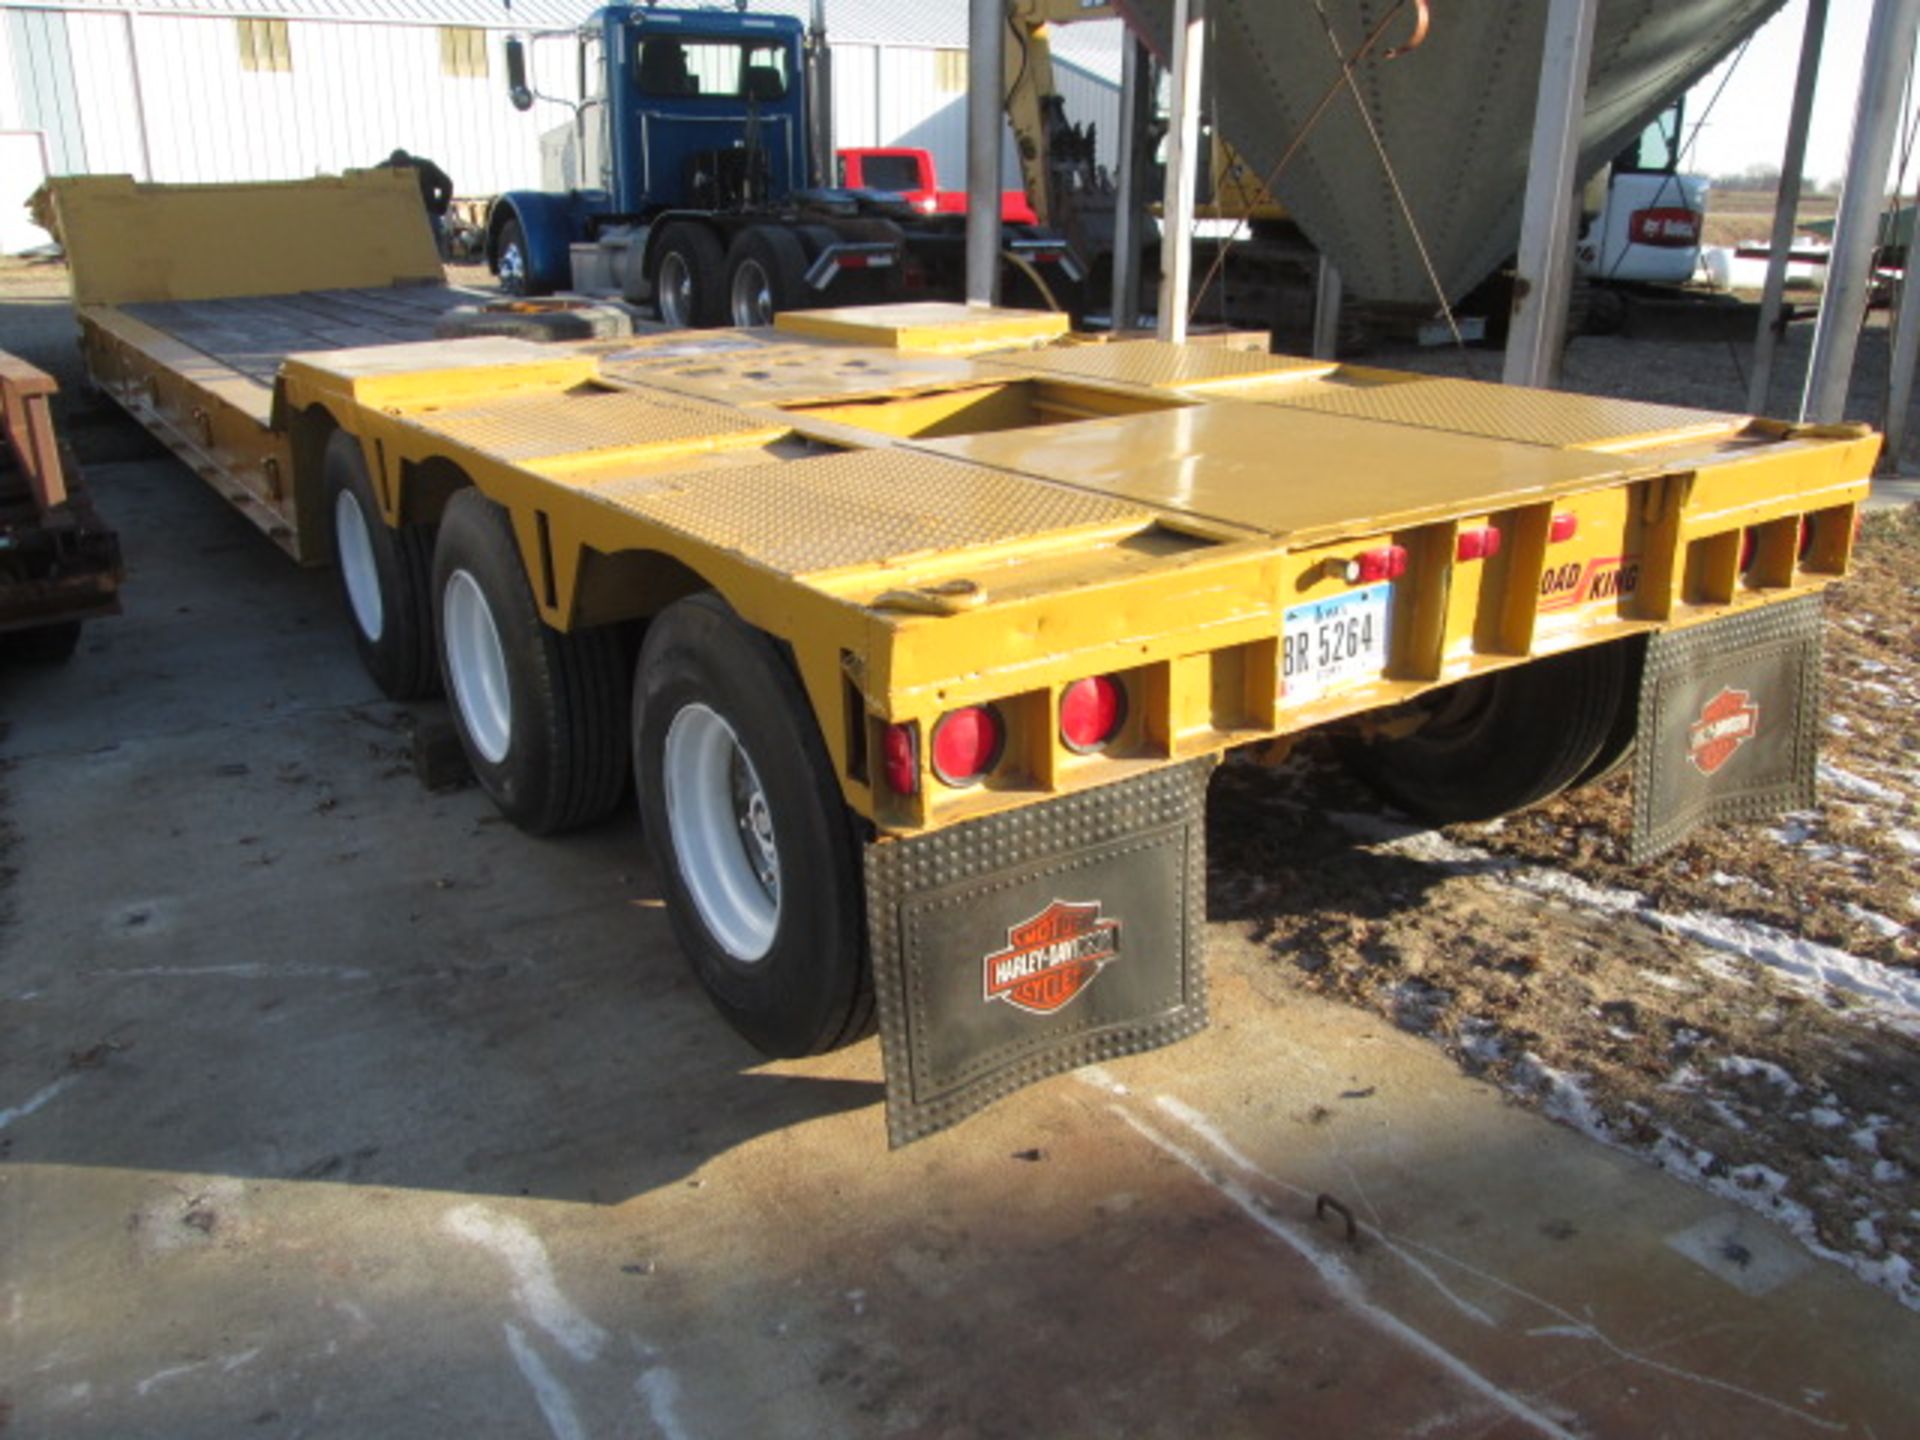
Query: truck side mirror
(518, 90)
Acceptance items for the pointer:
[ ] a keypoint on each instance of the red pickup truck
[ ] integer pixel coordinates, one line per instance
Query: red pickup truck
(910, 173)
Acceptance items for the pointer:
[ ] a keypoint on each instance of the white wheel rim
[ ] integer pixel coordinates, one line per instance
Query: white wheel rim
(676, 290)
(722, 833)
(752, 295)
(477, 667)
(513, 268)
(355, 548)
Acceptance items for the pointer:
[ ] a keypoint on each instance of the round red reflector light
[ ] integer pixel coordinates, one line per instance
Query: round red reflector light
(967, 744)
(900, 759)
(1092, 712)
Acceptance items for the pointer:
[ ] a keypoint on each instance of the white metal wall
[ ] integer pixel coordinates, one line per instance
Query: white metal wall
(171, 87)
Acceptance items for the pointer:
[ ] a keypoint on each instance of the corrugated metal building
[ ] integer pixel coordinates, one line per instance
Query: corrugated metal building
(211, 90)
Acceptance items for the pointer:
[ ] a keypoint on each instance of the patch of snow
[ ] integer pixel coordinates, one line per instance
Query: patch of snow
(1685, 1078)
(1875, 921)
(1724, 880)
(1665, 982)
(1745, 1065)
(1564, 1095)
(1725, 1114)
(1825, 1118)
(1907, 840)
(1867, 1233)
(1887, 1172)
(1839, 724)
(1852, 784)
(1838, 1165)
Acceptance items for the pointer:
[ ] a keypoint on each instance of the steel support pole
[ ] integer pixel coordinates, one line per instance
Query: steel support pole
(1786, 205)
(1183, 159)
(1326, 310)
(986, 47)
(1129, 215)
(1538, 330)
(1836, 334)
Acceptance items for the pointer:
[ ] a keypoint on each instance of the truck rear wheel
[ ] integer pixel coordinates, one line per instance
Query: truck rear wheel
(755, 849)
(541, 713)
(689, 277)
(1497, 743)
(384, 574)
(766, 273)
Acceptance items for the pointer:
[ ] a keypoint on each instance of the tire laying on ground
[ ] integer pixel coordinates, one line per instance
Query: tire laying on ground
(541, 713)
(756, 849)
(384, 574)
(1500, 742)
(543, 321)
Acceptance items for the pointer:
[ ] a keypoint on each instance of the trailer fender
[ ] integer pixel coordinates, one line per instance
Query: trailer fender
(548, 225)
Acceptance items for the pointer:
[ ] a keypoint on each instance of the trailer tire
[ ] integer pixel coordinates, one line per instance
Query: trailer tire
(766, 274)
(43, 644)
(541, 713)
(1500, 742)
(689, 277)
(735, 787)
(384, 574)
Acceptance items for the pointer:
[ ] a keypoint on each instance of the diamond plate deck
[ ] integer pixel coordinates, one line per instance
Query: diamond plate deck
(941, 907)
(545, 425)
(1156, 364)
(786, 374)
(864, 508)
(1505, 412)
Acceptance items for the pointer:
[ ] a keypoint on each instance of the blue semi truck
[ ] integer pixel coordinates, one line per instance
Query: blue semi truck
(696, 174)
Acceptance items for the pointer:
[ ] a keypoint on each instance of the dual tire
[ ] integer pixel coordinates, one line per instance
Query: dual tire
(697, 285)
(757, 854)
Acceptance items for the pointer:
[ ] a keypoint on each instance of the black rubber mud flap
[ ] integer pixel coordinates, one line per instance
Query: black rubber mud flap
(1017, 946)
(1729, 723)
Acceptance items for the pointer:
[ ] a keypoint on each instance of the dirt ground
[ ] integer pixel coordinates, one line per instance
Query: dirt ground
(1718, 1011)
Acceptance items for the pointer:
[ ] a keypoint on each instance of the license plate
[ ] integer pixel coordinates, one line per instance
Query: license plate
(1329, 642)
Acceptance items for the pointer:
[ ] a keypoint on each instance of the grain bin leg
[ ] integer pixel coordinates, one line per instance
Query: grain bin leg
(1024, 944)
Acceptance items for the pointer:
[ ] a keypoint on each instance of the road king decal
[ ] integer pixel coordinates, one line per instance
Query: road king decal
(1562, 587)
(1726, 723)
(1052, 957)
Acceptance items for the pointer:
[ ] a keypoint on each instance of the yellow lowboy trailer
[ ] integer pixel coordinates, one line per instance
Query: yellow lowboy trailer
(917, 629)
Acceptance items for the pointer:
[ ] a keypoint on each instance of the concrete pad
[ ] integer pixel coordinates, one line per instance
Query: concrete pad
(330, 1106)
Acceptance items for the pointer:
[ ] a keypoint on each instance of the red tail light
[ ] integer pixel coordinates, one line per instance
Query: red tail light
(900, 759)
(1389, 562)
(1480, 543)
(967, 744)
(1564, 527)
(1092, 712)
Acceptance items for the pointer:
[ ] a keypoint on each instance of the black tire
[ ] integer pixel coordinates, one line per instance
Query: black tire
(384, 575)
(809, 989)
(766, 273)
(512, 262)
(1498, 742)
(1617, 749)
(701, 302)
(551, 751)
(44, 644)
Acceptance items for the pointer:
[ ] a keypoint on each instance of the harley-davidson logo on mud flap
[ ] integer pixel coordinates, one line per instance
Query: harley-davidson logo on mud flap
(1052, 957)
(1726, 723)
